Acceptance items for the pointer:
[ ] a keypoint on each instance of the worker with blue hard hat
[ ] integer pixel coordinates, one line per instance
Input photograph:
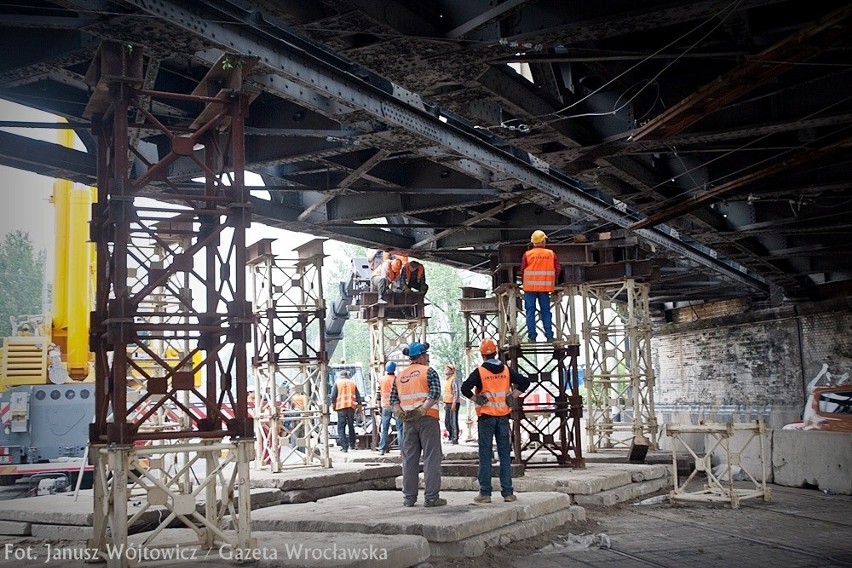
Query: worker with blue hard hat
(415, 395)
(386, 409)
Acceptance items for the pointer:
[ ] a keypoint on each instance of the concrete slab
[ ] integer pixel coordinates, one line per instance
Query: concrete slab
(477, 545)
(307, 495)
(821, 459)
(624, 493)
(62, 532)
(176, 548)
(15, 528)
(312, 478)
(382, 512)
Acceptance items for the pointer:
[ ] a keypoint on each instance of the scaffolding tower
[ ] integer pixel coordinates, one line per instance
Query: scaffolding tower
(190, 294)
(619, 376)
(291, 416)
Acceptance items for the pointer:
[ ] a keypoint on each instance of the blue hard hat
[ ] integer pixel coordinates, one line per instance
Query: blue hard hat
(390, 367)
(416, 349)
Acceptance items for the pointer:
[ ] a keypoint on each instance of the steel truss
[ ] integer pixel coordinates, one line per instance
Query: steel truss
(191, 294)
(290, 362)
(388, 336)
(546, 426)
(481, 321)
(619, 377)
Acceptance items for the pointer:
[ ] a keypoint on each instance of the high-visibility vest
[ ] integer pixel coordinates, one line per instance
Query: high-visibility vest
(389, 268)
(385, 386)
(300, 400)
(345, 394)
(412, 386)
(495, 387)
(449, 394)
(540, 270)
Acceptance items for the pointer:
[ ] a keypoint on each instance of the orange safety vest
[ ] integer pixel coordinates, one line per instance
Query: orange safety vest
(449, 395)
(414, 274)
(385, 386)
(299, 401)
(540, 270)
(345, 394)
(495, 387)
(412, 386)
(393, 268)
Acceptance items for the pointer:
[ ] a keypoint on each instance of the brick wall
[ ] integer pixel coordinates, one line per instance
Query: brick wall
(723, 364)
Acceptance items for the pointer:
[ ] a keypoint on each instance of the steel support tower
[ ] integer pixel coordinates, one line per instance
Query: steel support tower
(290, 363)
(619, 376)
(206, 311)
(546, 425)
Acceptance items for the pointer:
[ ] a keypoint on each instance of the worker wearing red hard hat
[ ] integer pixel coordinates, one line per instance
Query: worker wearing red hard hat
(492, 386)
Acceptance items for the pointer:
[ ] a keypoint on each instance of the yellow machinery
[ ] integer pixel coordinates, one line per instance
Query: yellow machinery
(44, 350)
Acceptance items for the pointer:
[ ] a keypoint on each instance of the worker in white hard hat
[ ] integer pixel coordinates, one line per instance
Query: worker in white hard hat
(539, 272)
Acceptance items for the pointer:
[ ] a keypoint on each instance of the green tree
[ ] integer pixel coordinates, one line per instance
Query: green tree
(22, 277)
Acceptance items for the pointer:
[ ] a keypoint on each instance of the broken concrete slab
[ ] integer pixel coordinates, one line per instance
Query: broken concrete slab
(477, 545)
(312, 478)
(611, 497)
(307, 495)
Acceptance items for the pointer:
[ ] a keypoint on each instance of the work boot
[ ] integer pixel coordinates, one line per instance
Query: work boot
(408, 502)
(480, 499)
(510, 498)
(437, 502)
(345, 450)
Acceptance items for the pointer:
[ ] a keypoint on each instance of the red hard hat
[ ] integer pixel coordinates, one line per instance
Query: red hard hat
(487, 347)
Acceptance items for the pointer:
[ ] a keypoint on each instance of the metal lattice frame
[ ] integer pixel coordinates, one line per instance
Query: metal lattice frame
(290, 360)
(481, 321)
(192, 294)
(546, 429)
(619, 377)
(706, 486)
(388, 336)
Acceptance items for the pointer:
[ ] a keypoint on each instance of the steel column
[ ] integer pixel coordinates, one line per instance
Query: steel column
(191, 294)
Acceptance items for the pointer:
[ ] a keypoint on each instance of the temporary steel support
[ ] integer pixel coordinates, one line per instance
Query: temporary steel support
(619, 377)
(392, 327)
(202, 273)
(732, 438)
(290, 363)
(546, 426)
(481, 321)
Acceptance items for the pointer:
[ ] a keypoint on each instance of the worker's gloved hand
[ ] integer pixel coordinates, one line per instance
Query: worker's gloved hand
(510, 400)
(416, 414)
(480, 399)
(402, 416)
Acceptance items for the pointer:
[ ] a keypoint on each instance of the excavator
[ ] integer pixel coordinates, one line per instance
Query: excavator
(46, 372)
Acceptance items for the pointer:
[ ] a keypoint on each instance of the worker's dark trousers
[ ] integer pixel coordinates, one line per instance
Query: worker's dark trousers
(491, 428)
(346, 416)
(451, 421)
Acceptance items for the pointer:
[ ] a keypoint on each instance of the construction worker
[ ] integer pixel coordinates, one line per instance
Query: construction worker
(385, 386)
(385, 276)
(345, 398)
(413, 277)
(493, 387)
(452, 402)
(539, 272)
(414, 396)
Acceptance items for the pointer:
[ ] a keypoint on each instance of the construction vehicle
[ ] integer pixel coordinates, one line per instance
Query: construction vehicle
(46, 379)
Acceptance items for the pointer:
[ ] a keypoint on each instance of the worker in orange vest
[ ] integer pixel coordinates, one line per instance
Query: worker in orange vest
(452, 402)
(345, 398)
(385, 277)
(413, 277)
(539, 272)
(493, 386)
(385, 386)
(415, 395)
